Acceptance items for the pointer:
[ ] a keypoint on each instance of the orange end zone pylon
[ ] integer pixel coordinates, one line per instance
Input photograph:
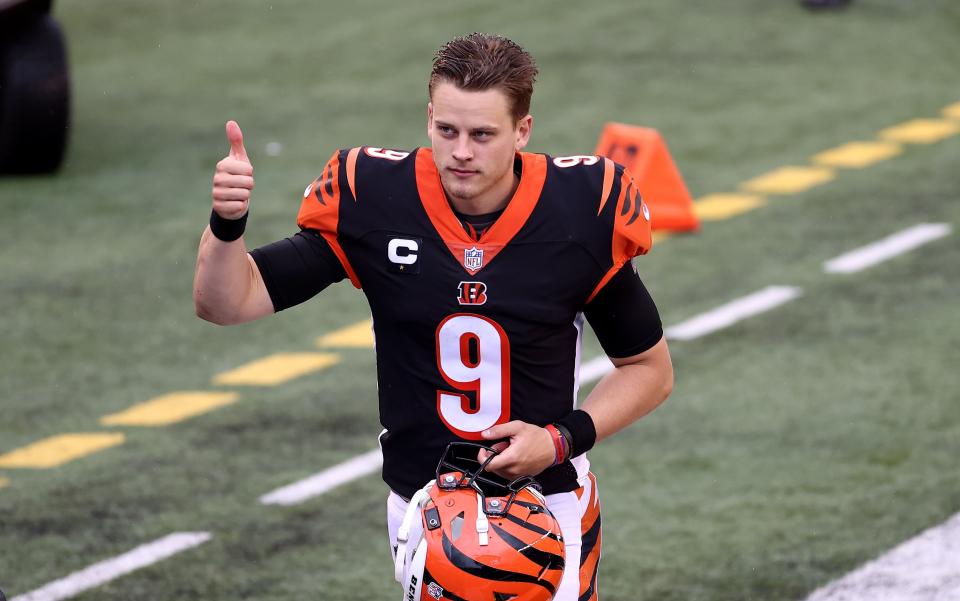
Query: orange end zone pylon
(643, 151)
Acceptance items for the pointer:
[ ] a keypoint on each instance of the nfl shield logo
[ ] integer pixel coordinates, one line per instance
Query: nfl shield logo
(473, 258)
(435, 590)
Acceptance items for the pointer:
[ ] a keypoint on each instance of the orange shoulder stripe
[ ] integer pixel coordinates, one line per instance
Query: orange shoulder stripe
(328, 186)
(608, 171)
(320, 211)
(352, 170)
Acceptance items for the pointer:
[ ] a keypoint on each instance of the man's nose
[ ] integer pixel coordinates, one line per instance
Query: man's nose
(462, 150)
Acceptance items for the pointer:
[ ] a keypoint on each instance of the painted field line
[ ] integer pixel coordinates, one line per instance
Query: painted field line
(716, 207)
(857, 155)
(952, 111)
(110, 569)
(358, 335)
(276, 369)
(920, 131)
(170, 408)
(789, 180)
(924, 568)
(327, 480)
(60, 449)
(887, 248)
(732, 312)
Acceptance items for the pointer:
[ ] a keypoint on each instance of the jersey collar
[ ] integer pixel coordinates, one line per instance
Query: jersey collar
(463, 248)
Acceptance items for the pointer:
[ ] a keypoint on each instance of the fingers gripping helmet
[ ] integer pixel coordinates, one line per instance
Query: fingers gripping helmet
(470, 536)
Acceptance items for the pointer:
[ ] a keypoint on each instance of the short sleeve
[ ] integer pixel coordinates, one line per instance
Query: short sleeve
(624, 316)
(320, 207)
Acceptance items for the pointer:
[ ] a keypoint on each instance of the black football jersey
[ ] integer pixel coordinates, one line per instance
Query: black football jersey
(472, 333)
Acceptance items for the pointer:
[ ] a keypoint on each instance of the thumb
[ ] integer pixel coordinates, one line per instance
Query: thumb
(502, 430)
(235, 136)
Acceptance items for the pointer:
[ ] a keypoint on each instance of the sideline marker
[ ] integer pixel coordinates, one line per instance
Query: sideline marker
(643, 151)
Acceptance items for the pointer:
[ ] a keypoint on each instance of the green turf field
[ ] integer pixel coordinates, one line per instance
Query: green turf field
(797, 444)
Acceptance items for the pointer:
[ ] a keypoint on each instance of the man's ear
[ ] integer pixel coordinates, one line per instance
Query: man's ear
(430, 120)
(524, 129)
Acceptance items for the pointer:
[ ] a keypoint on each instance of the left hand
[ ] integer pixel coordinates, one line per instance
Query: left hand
(528, 451)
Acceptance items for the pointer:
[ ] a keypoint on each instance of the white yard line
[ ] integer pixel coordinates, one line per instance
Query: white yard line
(737, 310)
(925, 568)
(110, 569)
(324, 481)
(887, 248)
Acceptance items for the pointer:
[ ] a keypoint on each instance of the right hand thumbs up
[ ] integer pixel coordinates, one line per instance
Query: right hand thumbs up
(235, 136)
(233, 179)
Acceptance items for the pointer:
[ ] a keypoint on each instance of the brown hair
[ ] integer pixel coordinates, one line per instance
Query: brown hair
(481, 61)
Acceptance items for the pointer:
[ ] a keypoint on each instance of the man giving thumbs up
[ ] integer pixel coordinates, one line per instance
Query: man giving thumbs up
(479, 262)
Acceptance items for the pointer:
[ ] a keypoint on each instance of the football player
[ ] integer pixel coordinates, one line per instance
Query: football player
(479, 262)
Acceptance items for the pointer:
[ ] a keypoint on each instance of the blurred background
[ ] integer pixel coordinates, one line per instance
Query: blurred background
(797, 445)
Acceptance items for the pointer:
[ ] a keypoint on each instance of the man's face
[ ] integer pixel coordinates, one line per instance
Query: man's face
(474, 141)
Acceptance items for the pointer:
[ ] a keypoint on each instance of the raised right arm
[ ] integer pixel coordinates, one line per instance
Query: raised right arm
(227, 285)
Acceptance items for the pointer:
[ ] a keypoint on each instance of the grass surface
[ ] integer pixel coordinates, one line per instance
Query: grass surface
(796, 445)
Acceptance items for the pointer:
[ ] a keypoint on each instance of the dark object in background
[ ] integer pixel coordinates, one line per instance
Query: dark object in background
(34, 88)
(825, 4)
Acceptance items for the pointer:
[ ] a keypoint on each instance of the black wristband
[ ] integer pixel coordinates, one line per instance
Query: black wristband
(582, 433)
(225, 229)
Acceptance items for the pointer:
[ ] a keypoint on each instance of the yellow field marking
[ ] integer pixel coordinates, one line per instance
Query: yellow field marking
(170, 408)
(920, 131)
(276, 369)
(359, 335)
(788, 180)
(856, 155)
(4, 482)
(952, 111)
(715, 207)
(57, 450)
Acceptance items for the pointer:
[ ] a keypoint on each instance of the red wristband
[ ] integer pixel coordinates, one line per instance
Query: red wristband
(559, 444)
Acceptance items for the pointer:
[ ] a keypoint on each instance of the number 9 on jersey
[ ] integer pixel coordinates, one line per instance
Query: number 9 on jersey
(473, 356)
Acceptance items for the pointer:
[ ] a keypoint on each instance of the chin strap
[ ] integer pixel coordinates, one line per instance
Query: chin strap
(416, 503)
(482, 524)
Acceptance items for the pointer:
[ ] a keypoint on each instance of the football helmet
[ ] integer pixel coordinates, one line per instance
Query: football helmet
(470, 535)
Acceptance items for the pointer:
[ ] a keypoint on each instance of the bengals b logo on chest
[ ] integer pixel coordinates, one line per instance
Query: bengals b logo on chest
(472, 293)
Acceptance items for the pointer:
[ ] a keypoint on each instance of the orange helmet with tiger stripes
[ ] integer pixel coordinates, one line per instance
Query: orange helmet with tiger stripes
(479, 539)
